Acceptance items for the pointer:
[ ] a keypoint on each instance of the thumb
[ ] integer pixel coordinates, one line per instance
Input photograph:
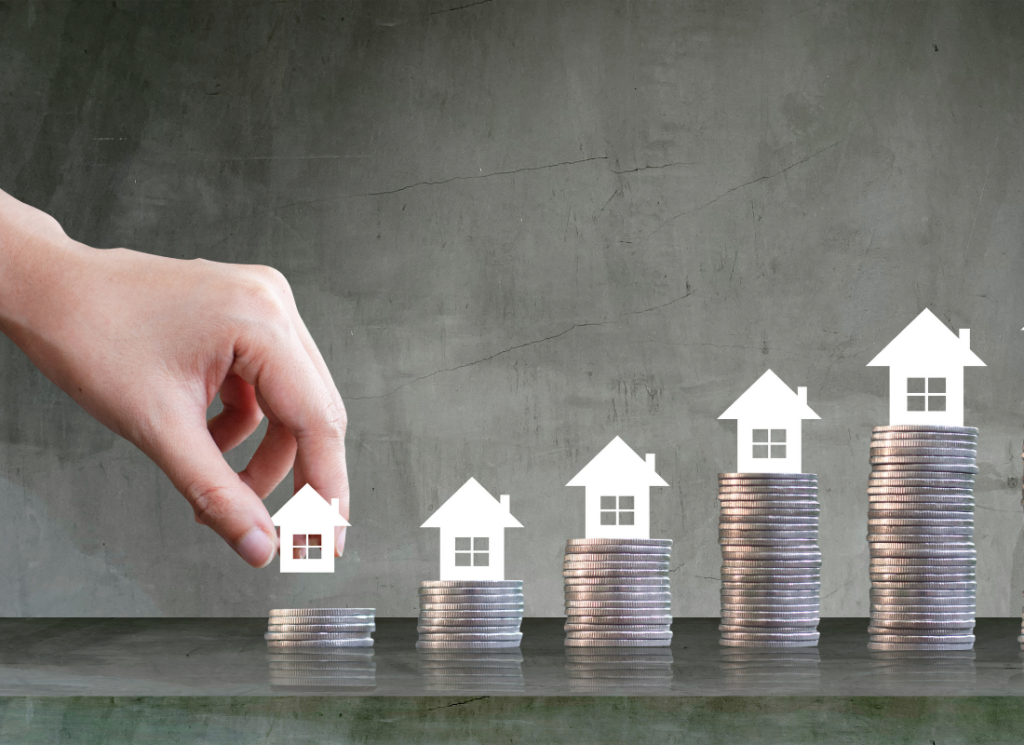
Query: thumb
(221, 500)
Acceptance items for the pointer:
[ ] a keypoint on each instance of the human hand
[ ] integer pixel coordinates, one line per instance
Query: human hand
(145, 343)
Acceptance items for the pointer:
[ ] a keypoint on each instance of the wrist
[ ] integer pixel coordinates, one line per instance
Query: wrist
(37, 265)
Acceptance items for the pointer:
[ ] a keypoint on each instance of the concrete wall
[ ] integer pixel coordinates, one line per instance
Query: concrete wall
(517, 229)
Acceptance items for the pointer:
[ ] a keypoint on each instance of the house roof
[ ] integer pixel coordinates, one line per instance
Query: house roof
(925, 339)
(769, 397)
(617, 463)
(471, 506)
(307, 504)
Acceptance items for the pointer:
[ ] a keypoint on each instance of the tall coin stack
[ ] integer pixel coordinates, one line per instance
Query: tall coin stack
(921, 534)
(617, 592)
(296, 629)
(771, 563)
(470, 614)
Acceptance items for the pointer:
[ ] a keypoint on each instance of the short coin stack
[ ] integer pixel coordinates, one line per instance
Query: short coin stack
(617, 592)
(470, 614)
(295, 629)
(921, 535)
(771, 563)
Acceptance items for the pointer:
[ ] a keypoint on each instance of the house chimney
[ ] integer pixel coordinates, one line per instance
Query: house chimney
(965, 337)
(336, 505)
(650, 460)
(801, 393)
(503, 498)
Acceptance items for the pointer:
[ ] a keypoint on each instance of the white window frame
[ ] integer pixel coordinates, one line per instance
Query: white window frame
(623, 505)
(927, 393)
(478, 552)
(774, 446)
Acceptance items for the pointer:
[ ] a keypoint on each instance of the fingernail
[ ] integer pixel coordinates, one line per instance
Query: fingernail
(257, 548)
(341, 542)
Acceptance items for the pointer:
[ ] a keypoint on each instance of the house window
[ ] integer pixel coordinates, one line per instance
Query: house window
(306, 546)
(617, 511)
(769, 443)
(475, 552)
(926, 394)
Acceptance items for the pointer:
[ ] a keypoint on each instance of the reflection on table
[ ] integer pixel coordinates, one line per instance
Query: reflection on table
(789, 670)
(337, 670)
(470, 670)
(927, 672)
(619, 669)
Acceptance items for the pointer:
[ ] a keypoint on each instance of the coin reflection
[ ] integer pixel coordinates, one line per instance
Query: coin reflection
(792, 669)
(618, 669)
(468, 670)
(923, 671)
(324, 670)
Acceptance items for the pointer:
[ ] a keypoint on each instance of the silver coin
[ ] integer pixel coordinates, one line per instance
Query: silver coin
(467, 622)
(946, 521)
(766, 645)
(767, 519)
(946, 467)
(470, 636)
(780, 616)
(875, 646)
(752, 605)
(662, 542)
(767, 477)
(945, 462)
(926, 428)
(802, 636)
(923, 603)
(756, 574)
(369, 612)
(647, 583)
(309, 628)
(772, 564)
(738, 536)
(618, 555)
(609, 605)
(888, 533)
(925, 435)
(951, 508)
(647, 619)
(737, 626)
(761, 554)
(319, 643)
(471, 606)
(620, 635)
(432, 632)
(424, 644)
(912, 617)
(618, 642)
(491, 583)
(465, 591)
(961, 576)
(455, 614)
(585, 565)
(776, 506)
(905, 552)
(881, 626)
(753, 514)
(784, 585)
(794, 489)
(472, 599)
(918, 594)
(923, 543)
(619, 595)
(600, 551)
(911, 516)
(925, 442)
(609, 629)
(320, 620)
(932, 452)
(886, 562)
(923, 639)
(919, 494)
(313, 636)
(748, 592)
(947, 585)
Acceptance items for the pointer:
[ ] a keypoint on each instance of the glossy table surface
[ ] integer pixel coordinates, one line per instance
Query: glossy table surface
(228, 657)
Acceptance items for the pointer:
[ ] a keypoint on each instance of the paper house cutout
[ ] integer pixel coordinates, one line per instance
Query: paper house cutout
(769, 422)
(926, 364)
(472, 524)
(618, 492)
(307, 525)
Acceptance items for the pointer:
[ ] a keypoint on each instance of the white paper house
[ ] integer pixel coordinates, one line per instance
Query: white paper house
(472, 524)
(307, 525)
(769, 422)
(618, 492)
(926, 364)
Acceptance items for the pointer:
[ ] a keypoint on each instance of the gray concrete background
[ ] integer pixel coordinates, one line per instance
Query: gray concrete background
(517, 229)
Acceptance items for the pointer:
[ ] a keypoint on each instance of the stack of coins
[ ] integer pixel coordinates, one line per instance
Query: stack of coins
(921, 534)
(618, 670)
(470, 614)
(617, 592)
(771, 563)
(293, 629)
(322, 669)
(469, 670)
